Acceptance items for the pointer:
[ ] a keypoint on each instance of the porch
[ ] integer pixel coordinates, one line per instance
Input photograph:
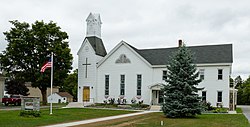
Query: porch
(156, 95)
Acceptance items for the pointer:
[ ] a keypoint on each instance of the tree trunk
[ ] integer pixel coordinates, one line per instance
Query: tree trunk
(44, 96)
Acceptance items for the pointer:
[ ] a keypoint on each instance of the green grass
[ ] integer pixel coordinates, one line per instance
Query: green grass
(238, 110)
(205, 120)
(12, 118)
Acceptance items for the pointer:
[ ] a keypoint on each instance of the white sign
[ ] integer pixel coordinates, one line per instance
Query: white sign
(29, 106)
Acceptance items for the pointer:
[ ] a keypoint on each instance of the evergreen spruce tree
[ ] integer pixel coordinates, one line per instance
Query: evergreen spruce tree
(180, 94)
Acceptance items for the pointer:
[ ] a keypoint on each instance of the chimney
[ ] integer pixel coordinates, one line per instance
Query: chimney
(180, 43)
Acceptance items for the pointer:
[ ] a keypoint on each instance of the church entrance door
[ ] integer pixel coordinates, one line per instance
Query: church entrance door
(157, 97)
(157, 94)
(86, 94)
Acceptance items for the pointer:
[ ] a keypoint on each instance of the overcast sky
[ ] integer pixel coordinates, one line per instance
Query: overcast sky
(143, 23)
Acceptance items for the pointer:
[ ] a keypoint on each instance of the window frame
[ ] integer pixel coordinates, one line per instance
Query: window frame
(122, 84)
(106, 91)
(204, 98)
(202, 74)
(139, 84)
(164, 74)
(220, 75)
(219, 98)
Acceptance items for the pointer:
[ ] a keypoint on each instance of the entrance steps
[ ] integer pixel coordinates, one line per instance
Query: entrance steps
(87, 103)
(155, 108)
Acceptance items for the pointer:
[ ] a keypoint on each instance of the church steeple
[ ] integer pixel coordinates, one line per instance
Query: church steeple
(94, 25)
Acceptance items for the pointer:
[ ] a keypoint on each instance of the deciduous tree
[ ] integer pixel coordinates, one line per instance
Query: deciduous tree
(70, 84)
(16, 87)
(243, 94)
(29, 47)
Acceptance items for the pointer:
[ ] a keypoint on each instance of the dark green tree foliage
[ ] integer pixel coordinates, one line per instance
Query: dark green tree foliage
(231, 82)
(16, 87)
(243, 94)
(70, 84)
(30, 47)
(180, 94)
(238, 81)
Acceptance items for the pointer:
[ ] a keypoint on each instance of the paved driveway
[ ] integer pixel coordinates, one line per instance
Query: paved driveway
(245, 110)
(9, 107)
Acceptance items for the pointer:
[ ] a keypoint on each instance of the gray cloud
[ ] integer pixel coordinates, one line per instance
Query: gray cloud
(144, 24)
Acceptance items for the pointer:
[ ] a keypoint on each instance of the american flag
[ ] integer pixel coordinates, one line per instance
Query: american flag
(46, 65)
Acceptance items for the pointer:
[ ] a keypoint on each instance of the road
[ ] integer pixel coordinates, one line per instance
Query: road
(12, 107)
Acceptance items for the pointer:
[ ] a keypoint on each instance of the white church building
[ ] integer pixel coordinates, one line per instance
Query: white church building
(138, 74)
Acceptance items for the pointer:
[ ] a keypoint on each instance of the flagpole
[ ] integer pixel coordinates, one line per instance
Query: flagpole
(51, 84)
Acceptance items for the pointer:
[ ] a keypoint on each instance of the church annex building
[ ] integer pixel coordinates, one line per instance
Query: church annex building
(138, 74)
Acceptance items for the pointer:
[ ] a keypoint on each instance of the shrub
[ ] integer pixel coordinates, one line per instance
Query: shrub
(140, 102)
(105, 102)
(141, 106)
(208, 106)
(124, 101)
(133, 101)
(121, 101)
(118, 101)
(219, 110)
(111, 101)
(30, 113)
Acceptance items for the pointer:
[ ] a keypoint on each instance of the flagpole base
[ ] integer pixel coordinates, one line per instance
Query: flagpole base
(50, 108)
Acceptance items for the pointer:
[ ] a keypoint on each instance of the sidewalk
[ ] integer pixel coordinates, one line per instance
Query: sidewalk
(97, 119)
(245, 110)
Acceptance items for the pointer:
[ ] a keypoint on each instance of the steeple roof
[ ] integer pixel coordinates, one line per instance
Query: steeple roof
(97, 45)
(94, 16)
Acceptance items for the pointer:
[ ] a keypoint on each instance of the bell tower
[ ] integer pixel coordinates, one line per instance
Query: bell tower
(93, 25)
(90, 53)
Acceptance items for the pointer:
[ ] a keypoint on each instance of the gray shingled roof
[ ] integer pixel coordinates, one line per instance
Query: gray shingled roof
(97, 45)
(202, 54)
(65, 94)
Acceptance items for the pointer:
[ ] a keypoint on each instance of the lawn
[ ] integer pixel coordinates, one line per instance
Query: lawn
(154, 120)
(12, 118)
(238, 110)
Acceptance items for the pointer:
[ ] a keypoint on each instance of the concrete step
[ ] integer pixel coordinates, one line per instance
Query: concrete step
(75, 105)
(155, 108)
(87, 103)
(78, 104)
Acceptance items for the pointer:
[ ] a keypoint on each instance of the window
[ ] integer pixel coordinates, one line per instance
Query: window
(106, 84)
(220, 74)
(204, 96)
(164, 75)
(139, 80)
(201, 73)
(122, 85)
(219, 96)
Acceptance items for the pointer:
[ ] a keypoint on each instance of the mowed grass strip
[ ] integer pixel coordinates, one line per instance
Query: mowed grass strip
(154, 120)
(12, 118)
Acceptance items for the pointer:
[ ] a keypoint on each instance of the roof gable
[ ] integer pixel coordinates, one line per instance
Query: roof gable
(117, 47)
